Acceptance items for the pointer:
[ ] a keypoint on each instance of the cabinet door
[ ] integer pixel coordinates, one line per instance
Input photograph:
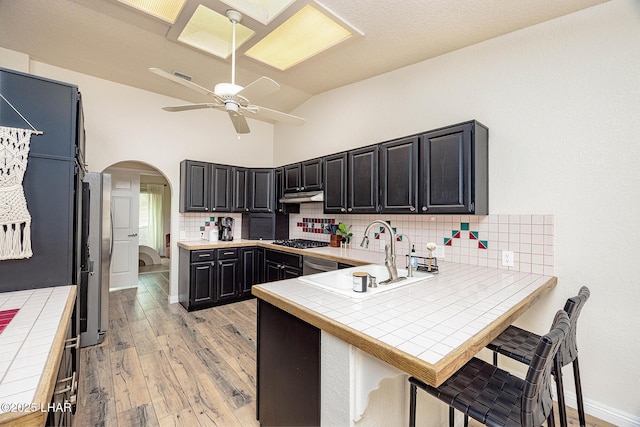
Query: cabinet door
(194, 186)
(261, 184)
(228, 279)
(221, 188)
(240, 187)
(272, 271)
(445, 165)
(399, 176)
(335, 183)
(260, 264)
(311, 175)
(202, 282)
(249, 271)
(363, 180)
(292, 178)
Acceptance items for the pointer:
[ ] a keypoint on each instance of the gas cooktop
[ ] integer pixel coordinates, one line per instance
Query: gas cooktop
(300, 243)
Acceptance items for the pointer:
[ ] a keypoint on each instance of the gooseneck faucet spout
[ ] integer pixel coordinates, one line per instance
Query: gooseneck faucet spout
(389, 250)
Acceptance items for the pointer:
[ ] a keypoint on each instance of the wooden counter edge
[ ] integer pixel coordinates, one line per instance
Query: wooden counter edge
(427, 372)
(47, 384)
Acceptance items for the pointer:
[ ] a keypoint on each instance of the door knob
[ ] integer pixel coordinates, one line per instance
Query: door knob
(133, 235)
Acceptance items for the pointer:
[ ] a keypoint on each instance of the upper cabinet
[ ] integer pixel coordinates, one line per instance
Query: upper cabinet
(399, 176)
(194, 186)
(221, 188)
(335, 183)
(240, 190)
(362, 180)
(261, 190)
(304, 176)
(454, 170)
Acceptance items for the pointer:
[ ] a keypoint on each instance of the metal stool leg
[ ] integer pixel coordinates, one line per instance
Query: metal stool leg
(451, 417)
(495, 358)
(576, 375)
(412, 404)
(562, 409)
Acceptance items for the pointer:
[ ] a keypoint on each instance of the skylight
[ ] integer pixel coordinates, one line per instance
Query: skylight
(210, 31)
(167, 10)
(302, 36)
(263, 11)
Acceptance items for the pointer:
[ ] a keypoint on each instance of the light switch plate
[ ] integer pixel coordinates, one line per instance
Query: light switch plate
(183, 235)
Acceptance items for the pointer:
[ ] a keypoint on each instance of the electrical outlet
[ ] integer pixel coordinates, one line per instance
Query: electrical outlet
(507, 258)
(183, 235)
(202, 235)
(439, 251)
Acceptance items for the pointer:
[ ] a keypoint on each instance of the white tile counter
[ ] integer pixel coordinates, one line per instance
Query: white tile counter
(428, 329)
(30, 341)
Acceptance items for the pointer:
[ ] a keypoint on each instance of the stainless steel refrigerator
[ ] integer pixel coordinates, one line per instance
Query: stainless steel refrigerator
(94, 288)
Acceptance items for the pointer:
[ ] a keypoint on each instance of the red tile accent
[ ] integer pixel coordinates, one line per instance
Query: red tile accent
(6, 316)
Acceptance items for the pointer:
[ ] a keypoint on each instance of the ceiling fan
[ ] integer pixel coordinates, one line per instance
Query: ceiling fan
(233, 98)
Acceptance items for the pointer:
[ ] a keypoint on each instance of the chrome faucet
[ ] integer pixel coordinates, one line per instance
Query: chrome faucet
(409, 266)
(389, 251)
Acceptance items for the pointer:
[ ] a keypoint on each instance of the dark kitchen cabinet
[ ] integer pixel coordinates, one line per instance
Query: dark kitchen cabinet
(362, 180)
(282, 265)
(221, 188)
(194, 186)
(399, 176)
(227, 286)
(196, 278)
(335, 183)
(282, 208)
(288, 369)
(454, 170)
(250, 269)
(240, 190)
(261, 190)
(304, 176)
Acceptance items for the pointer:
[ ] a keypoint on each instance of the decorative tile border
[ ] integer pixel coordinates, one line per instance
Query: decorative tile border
(315, 225)
(472, 235)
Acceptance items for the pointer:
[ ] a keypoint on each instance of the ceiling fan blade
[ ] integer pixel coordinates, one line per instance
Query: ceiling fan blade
(263, 113)
(181, 81)
(239, 122)
(191, 107)
(260, 88)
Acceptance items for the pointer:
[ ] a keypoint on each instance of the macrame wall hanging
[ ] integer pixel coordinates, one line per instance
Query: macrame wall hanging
(15, 219)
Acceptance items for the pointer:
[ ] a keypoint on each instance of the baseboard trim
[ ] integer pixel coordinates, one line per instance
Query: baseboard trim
(173, 299)
(601, 411)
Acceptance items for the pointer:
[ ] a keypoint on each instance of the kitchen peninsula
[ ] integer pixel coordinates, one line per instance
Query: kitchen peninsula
(427, 329)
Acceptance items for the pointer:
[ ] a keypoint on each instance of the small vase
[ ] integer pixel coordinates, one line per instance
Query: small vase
(335, 241)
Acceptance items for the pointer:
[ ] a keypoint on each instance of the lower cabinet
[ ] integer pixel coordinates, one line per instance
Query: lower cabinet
(288, 369)
(210, 277)
(281, 265)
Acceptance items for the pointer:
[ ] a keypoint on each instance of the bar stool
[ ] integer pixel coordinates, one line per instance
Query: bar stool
(495, 397)
(519, 344)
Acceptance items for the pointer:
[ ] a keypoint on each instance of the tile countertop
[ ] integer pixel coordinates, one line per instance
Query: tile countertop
(31, 346)
(427, 329)
(350, 256)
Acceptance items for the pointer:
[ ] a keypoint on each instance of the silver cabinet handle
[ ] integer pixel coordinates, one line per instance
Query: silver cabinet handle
(342, 209)
(206, 209)
(350, 209)
(204, 255)
(133, 235)
(424, 209)
(412, 209)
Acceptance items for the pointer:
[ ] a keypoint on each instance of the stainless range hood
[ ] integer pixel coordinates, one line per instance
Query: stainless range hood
(303, 197)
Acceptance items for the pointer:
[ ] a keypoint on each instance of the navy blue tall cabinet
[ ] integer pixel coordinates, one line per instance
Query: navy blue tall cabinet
(52, 182)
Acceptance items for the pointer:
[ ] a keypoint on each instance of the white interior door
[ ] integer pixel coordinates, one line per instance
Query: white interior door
(125, 199)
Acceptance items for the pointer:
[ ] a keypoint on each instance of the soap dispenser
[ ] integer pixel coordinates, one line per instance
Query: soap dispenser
(414, 258)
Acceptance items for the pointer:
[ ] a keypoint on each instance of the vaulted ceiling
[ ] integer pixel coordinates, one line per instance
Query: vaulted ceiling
(109, 40)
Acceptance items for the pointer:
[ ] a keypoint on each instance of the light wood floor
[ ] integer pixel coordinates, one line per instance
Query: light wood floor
(162, 366)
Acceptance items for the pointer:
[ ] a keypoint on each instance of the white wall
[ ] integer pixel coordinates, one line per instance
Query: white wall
(562, 103)
(124, 123)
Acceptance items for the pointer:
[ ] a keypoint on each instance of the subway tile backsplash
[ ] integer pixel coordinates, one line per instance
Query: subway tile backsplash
(468, 239)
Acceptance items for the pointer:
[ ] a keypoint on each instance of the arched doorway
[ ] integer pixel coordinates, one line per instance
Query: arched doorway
(141, 216)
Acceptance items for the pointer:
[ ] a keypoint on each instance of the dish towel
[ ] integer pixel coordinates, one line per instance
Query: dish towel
(15, 219)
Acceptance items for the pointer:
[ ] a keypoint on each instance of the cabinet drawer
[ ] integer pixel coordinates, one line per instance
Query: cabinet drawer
(227, 253)
(202, 255)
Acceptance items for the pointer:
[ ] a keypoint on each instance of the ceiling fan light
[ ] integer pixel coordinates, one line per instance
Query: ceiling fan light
(302, 36)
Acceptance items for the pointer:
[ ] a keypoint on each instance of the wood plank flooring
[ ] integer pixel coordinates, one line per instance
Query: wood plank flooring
(162, 366)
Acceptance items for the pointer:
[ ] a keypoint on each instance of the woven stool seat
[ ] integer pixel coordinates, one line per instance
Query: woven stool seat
(493, 396)
(519, 344)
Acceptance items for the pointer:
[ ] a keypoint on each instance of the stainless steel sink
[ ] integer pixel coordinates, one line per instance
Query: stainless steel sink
(341, 281)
